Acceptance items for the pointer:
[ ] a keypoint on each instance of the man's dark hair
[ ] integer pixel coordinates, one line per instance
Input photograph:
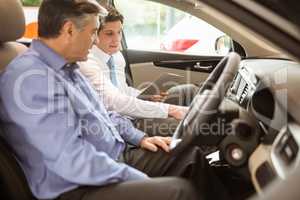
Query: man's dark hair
(53, 14)
(113, 15)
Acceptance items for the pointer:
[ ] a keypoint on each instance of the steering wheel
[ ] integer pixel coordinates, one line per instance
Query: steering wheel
(205, 104)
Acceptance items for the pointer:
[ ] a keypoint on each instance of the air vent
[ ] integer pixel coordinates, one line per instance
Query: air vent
(235, 84)
(244, 93)
(263, 103)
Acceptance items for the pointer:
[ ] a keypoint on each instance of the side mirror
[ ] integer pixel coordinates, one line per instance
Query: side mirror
(223, 45)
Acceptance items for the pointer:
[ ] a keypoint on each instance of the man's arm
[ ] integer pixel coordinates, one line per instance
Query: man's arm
(42, 111)
(126, 129)
(114, 99)
(118, 101)
(131, 91)
(138, 138)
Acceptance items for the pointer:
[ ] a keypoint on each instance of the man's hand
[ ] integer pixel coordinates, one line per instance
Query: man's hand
(159, 97)
(177, 112)
(152, 143)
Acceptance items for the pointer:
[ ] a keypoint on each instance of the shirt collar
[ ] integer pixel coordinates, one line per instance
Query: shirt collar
(48, 55)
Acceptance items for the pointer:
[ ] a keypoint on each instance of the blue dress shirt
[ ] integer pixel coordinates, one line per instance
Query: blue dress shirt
(60, 132)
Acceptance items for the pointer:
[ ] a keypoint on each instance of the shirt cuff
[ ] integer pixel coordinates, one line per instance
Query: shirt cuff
(139, 135)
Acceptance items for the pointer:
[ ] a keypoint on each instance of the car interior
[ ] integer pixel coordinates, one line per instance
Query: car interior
(256, 99)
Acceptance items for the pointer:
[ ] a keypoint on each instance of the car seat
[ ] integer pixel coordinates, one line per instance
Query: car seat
(13, 184)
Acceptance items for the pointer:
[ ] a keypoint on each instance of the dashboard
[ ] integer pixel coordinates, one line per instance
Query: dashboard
(266, 90)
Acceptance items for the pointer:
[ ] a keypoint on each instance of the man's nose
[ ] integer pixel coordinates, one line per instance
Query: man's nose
(117, 38)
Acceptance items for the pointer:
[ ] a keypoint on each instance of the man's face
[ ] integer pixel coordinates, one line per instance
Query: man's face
(82, 40)
(110, 36)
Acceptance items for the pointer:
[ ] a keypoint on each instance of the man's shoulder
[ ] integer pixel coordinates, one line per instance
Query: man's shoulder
(28, 60)
(27, 66)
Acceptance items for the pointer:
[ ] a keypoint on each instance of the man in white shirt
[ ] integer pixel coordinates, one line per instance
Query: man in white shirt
(105, 69)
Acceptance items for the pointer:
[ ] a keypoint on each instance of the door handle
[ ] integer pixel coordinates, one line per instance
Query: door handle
(198, 66)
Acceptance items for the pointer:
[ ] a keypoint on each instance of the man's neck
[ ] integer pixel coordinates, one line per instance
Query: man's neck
(56, 45)
(110, 54)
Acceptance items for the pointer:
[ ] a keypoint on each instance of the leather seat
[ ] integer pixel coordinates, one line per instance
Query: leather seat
(12, 22)
(13, 184)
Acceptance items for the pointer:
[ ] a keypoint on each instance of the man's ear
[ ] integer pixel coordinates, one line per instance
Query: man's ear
(68, 29)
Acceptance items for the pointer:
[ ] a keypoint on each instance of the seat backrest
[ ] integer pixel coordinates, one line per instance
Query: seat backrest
(12, 23)
(13, 184)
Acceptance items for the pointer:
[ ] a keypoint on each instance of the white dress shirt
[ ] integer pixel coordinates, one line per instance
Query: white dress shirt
(121, 98)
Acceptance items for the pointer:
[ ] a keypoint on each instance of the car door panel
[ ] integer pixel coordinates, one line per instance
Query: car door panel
(147, 66)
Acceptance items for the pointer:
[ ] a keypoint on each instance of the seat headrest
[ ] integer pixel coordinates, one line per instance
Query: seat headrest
(12, 20)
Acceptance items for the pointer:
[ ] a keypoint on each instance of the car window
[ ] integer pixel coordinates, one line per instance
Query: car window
(31, 8)
(154, 26)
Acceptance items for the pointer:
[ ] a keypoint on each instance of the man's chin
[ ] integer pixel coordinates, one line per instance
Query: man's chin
(114, 50)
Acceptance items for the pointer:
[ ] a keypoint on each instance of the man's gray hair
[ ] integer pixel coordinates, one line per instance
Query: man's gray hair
(54, 13)
(82, 21)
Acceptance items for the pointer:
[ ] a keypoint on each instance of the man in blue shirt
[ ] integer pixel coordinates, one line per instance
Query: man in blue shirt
(60, 132)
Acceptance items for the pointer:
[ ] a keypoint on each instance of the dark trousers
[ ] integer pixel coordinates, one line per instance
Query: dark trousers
(198, 180)
(186, 176)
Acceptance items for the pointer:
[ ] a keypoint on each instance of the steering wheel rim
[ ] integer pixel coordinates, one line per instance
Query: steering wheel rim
(206, 102)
